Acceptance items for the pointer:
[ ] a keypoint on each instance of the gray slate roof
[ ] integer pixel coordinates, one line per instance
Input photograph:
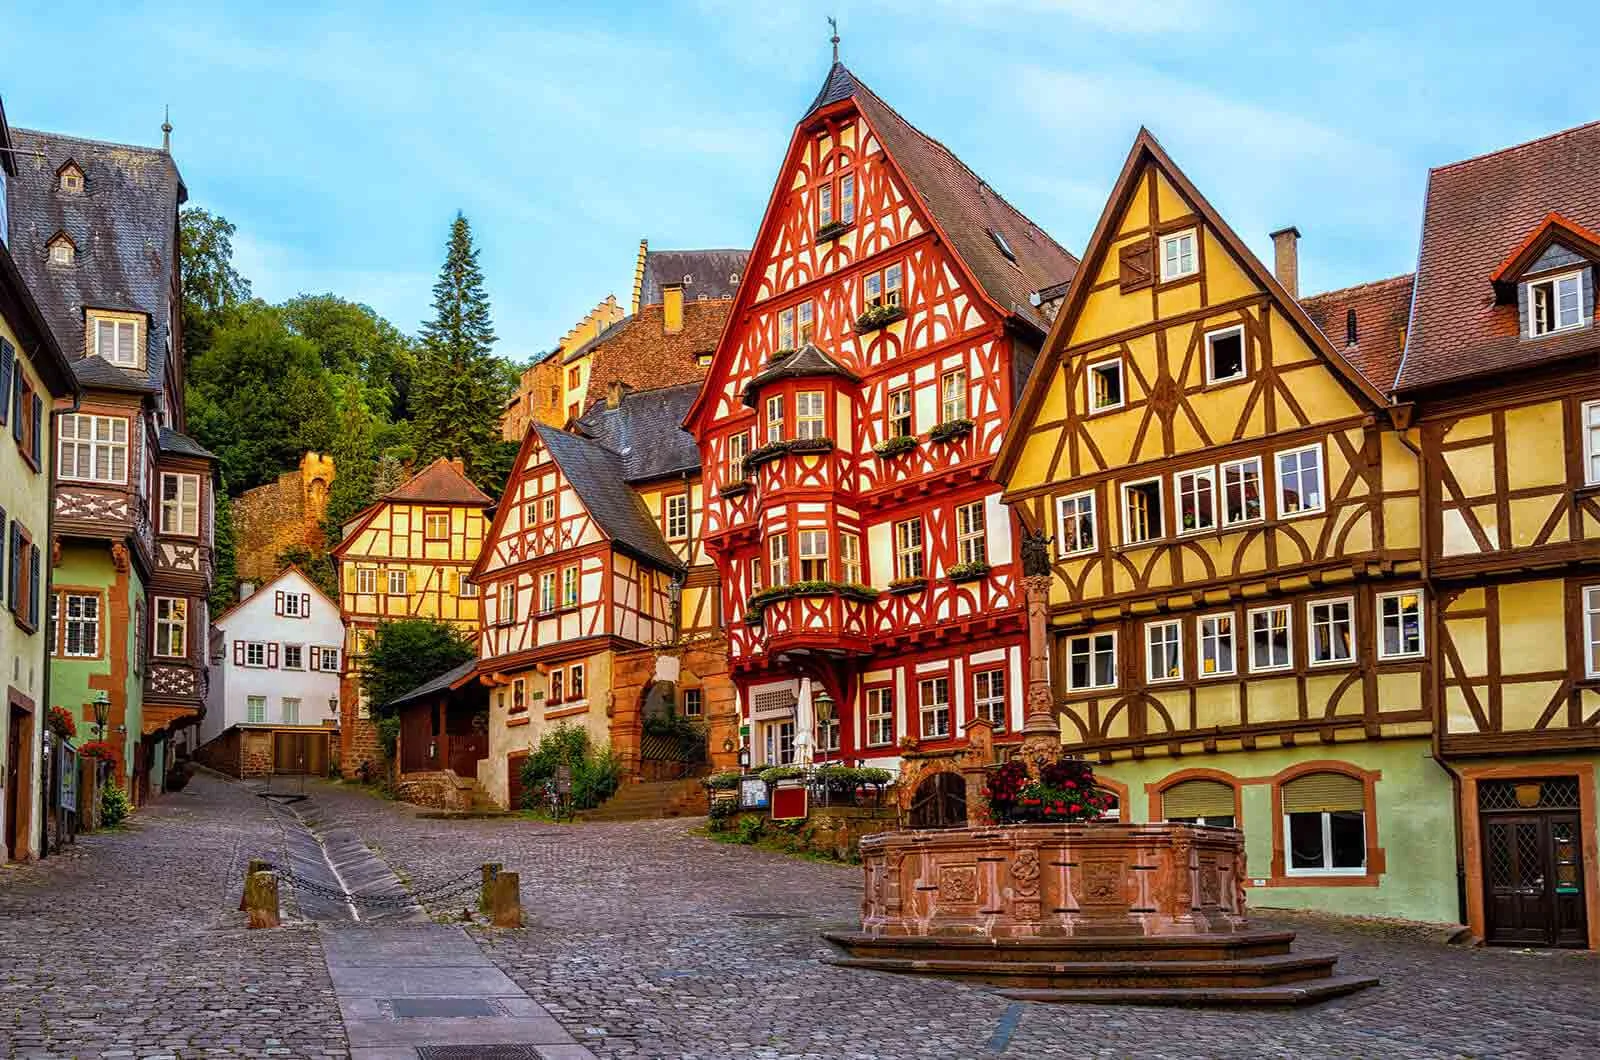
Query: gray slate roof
(124, 226)
(597, 474)
(710, 273)
(803, 363)
(435, 685)
(646, 431)
(171, 441)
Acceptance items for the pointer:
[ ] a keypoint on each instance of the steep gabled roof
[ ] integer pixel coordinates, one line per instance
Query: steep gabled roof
(1478, 215)
(283, 574)
(806, 362)
(597, 474)
(30, 326)
(1381, 308)
(441, 482)
(1147, 151)
(646, 431)
(704, 274)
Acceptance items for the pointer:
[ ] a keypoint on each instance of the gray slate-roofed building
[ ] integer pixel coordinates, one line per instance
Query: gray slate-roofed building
(704, 274)
(645, 428)
(596, 473)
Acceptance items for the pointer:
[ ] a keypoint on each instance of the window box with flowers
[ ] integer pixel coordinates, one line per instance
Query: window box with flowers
(104, 750)
(62, 724)
(967, 572)
(734, 489)
(766, 453)
(833, 230)
(879, 316)
(890, 448)
(811, 445)
(906, 586)
(752, 617)
(950, 430)
(848, 590)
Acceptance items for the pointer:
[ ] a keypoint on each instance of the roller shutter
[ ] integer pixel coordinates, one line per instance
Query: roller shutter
(1197, 798)
(1324, 792)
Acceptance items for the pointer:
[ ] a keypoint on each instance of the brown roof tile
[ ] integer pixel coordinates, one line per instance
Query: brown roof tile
(639, 353)
(441, 482)
(1381, 309)
(1478, 213)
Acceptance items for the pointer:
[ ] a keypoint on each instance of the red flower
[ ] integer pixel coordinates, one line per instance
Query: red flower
(1076, 807)
(1072, 783)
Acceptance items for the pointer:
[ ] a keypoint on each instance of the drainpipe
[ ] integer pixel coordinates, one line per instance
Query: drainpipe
(1455, 818)
(57, 410)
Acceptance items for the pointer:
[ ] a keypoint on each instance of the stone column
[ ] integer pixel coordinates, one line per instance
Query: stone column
(1041, 730)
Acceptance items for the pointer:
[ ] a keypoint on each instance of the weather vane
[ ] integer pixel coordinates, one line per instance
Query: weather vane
(833, 23)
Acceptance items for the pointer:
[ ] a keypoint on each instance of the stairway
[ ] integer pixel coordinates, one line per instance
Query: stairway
(650, 800)
(1250, 968)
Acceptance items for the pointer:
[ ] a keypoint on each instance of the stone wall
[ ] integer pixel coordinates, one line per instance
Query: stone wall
(831, 831)
(358, 737)
(280, 515)
(442, 790)
(703, 664)
(242, 753)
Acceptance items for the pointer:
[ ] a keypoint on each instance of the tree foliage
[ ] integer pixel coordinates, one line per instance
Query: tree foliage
(316, 565)
(212, 287)
(225, 581)
(404, 654)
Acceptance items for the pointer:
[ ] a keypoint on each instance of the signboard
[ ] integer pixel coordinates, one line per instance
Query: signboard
(564, 779)
(789, 803)
(67, 775)
(752, 793)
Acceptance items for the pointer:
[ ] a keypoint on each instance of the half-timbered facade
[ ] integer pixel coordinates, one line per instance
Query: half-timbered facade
(408, 555)
(855, 404)
(93, 229)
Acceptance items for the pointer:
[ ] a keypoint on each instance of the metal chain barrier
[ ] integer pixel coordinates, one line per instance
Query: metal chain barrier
(450, 888)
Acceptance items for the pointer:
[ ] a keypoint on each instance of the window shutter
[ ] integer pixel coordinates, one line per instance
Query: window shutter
(16, 405)
(1324, 792)
(38, 422)
(305, 605)
(33, 586)
(1137, 262)
(238, 653)
(14, 569)
(8, 356)
(272, 656)
(1197, 798)
(277, 602)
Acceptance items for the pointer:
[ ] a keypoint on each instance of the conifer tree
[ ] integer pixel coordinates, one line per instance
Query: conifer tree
(459, 388)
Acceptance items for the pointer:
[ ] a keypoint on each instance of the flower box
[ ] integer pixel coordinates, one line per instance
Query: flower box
(879, 316)
(903, 586)
(893, 447)
(833, 230)
(811, 445)
(769, 452)
(967, 572)
(752, 617)
(950, 430)
(734, 489)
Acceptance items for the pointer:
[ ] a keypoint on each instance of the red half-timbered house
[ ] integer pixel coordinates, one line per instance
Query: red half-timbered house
(888, 317)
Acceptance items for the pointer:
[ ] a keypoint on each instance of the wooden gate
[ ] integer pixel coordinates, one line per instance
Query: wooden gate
(940, 801)
(300, 753)
(416, 739)
(1533, 863)
(463, 751)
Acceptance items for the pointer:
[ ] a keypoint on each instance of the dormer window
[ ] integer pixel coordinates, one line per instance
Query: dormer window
(116, 340)
(687, 279)
(71, 179)
(1555, 303)
(62, 252)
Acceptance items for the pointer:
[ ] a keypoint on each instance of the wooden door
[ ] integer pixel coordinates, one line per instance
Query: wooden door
(15, 760)
(466, 751)
(1533, 879)
(290, 755)
(940, 801)
(416, 740)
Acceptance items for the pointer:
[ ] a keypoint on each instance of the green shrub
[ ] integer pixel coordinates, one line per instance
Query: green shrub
(727, 780)
(114, 806)
(388, 735)
(750, 829)
(777, 773)
(596, 771)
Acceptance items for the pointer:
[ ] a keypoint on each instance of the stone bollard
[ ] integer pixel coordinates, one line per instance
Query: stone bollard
(256, 865)
(261, 899)
(505, 904)
(491, 869)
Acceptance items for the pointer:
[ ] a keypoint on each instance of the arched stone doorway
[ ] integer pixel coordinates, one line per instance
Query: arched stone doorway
(940, 801)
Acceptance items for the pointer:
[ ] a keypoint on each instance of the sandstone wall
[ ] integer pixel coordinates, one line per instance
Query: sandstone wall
(270, 519)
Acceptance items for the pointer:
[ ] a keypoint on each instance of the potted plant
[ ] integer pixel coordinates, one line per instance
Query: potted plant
(901, 586)
(833, 230)
(811, 445)
(893, 447)
(950, 430)
(967, 572)
(61, 723)
(879, 316)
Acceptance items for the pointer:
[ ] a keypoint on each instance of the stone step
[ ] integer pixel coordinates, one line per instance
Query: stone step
(1120, 975)
(1306, 992)
(1067, 949)
(652, 799)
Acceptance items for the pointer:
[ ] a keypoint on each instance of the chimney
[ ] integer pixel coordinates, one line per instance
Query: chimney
(246, 591)
(672, 308)
(459, 464)
(1286, 259)
(614, 391)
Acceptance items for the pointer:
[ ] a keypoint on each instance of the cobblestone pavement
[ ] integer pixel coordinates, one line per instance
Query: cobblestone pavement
(646, 941)
(130, 944)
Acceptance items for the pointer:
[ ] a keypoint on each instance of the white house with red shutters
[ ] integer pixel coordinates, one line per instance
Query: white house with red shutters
(275, 659)
(887, 319)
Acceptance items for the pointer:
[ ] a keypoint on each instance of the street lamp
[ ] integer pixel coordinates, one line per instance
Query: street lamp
(102, 713)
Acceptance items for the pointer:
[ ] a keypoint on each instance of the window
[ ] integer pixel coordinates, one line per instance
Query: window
(1591, 442)
(825, 205)
(1197, 500)
(1217, 658)
(549, 505)
(519, 694)
(677, 517)
(255, 653)
(81, 632)
(557, 683)
(547, 592)
(172, 627)
(71, 180)
(1332, 632)
(93, 448)
(569, 587)
(813, 555)
(1205, 802)
(180, 504)
(884, 287)
(880, 717)
(779, 743)
(805, 327)
(972, 545)
(436, 526)
(1591, 630)
(847, 198)
(1270, 643)
(953, 395)
(694, 703)
(508, 603)
(325, 659)
(1225, 355)
(116, 341)
(1555, 304)
(294, 657)
(574, 377)
(1076, 523)
(755, 574)
(1300, 481)
(291, 710)
(1163, 648)
(809, 420)
(900, 423)
(61, 252)
(1241, 491)
(255, 710)
(989, 697)
(1091, 661)
(1105, 385)
(908, 558)
(738, 449)
(366, 579)
(289, 604)
(397, 582)
(1001, 245)
(1400, 625)
(1141, 511)
(850, 558)
(774, 418)
(1324, 825)
(934, 694)
(786, 330)
(778, 560)
(464, 586)
(1177, 255)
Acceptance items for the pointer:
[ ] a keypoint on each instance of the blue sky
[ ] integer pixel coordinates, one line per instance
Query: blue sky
(342, 138)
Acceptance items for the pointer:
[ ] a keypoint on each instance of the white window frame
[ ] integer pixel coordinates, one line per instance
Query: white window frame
(812, 546)
(778, 560)
(91, 448)
(1207, 475)
(571, 586)
(989, 701)
(1554, 282)
(257, 648)
(1089, 390)
(810, 414)
(850, 557)
(1278, 477)
(1312, 624)
(1224, 490)
(367, 581)
(677, 516)
(906, 415)
(774, 418)
(464, 585)
(933, 709)
(577, 683)
(1174, 627)
(166, 625)
(1591, 630)
(506, 603)
(133, 360)
(289, 707)
(291, 606)
(907, 550)
(1589, 424)
(389, 577)
(255, 710)
(185, 513)
(786, 329)
(953, 395)
(547, 592)
(1383, 620)
(738, 449)
(1208, 632)
(825, 204)
(87, 624)
(1289, 868)
(1161, 511)
(805, 325)
(1090, 641)
(972, 533)
(1244, 361)
(1065, 518)
(327, 659)
(880, 716)
(1287, 611)
(1193, 236)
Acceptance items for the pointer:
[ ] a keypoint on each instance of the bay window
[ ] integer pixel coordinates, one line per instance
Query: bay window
(172, 627)
(180, 504)
(810, 421)
(850, 558)
(93, 448)
(813, 555)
